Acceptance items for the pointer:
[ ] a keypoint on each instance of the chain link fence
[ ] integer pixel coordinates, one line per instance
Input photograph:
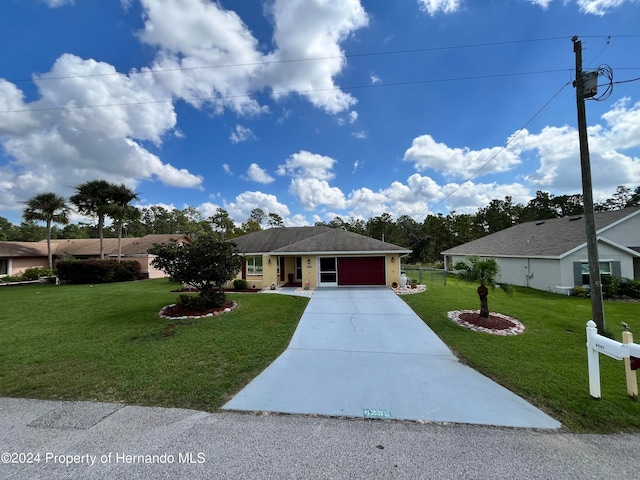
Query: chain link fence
(421, 275)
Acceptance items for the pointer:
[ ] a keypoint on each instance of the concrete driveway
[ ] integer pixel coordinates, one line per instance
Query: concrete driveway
(362, 352)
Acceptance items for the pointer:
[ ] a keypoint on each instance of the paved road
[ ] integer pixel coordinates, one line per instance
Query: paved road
(245, 446)
(363, 352)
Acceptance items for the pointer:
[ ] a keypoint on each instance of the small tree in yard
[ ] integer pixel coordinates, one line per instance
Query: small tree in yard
(486, 271)
(206, 265)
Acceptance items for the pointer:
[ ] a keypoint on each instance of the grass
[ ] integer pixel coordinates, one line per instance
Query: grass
(547, 365)
(106, 343)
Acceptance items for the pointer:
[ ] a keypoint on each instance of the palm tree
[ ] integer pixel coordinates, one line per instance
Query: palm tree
(93, 198)
(120, 209)
(47, 207)
(486, 271)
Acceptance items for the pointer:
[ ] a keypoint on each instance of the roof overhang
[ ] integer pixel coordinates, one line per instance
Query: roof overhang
(611, 243)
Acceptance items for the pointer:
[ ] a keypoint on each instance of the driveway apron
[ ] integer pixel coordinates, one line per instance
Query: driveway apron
(362, 352)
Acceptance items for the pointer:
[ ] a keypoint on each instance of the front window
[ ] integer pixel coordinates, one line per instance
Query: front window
(328, 270)
(4, 266)
(254, 265)
(605, 269)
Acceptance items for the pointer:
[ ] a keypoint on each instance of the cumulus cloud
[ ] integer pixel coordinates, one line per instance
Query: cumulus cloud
(558, 151)
(427, 154)
(313, 29)
(241, 208)
(257, 174)
(58, 141)
(432, 7)
(353, 116)
(241, 134)
(210, 57)
(305, 164)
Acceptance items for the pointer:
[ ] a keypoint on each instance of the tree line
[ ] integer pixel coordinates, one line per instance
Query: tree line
(100, 199)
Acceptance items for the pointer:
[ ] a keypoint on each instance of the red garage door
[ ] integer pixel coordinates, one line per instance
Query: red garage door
(361, 271)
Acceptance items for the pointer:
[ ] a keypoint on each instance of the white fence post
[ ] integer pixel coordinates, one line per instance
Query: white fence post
(593, 360)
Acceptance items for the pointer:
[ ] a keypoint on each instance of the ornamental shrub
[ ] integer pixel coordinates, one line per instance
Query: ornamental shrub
(629, 288)
(97, 271)
(610, 285)
(240, 284)
(35, 273)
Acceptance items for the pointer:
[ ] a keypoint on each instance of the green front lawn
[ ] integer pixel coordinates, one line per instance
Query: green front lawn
(106, 343)
(547, 365)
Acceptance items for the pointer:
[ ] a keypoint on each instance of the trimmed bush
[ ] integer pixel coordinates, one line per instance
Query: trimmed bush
(35, 273)
(610, 286)
(197, 303)
(240, 284)
(629, 288)
(578, 291)
(97, 271)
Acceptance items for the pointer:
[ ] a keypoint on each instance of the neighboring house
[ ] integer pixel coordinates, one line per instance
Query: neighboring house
(552, 254)
(321, 255)
(16, 257)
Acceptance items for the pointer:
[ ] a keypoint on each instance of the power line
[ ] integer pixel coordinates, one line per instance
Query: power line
(289, 92)
(502, 149)
(311, 59)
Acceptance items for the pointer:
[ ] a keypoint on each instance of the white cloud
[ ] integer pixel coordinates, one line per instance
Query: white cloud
(257, 174)
(360, 134)
(308, 165)
(469, 196)
(59, 142)
(557, 149)
(196, 34)
(313, 193)
(353, 116)
(241, 134)
(241, 208)
(12, 100)
(426, 153)
(227, 169)
(432, 7)
(375, 79)
(313, 29)
(58, 3)
(598, 7)
(542, 3)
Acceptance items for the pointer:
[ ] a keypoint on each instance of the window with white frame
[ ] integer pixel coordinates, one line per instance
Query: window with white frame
(4, 266)
(254, 265)
(605, 269)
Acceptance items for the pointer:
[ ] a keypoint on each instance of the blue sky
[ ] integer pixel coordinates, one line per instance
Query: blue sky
(313, 109)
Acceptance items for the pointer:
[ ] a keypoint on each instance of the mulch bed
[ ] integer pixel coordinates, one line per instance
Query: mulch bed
(177, 312)
(496, 324)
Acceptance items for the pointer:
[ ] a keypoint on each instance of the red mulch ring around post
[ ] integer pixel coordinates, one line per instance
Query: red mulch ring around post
(496, 324)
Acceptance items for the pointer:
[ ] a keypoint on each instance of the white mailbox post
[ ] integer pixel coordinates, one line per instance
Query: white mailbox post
(597, 344)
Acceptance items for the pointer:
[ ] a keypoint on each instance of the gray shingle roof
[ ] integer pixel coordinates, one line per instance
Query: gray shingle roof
(543, 238)
(319, 239)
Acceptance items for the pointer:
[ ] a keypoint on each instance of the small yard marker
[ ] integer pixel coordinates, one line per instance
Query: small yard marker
(376, 413)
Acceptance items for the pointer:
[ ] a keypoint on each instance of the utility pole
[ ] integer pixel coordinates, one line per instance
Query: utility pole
(595, 285)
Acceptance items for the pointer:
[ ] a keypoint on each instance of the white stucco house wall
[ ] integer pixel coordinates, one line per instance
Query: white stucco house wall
(551, 254)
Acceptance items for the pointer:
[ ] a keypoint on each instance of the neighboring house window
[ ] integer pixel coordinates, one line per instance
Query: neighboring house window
(254, 265)
(4, 266)
(581, 271)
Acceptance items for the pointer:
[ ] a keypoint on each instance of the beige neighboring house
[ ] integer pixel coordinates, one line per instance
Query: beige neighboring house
(16, 257)
(321, 256)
